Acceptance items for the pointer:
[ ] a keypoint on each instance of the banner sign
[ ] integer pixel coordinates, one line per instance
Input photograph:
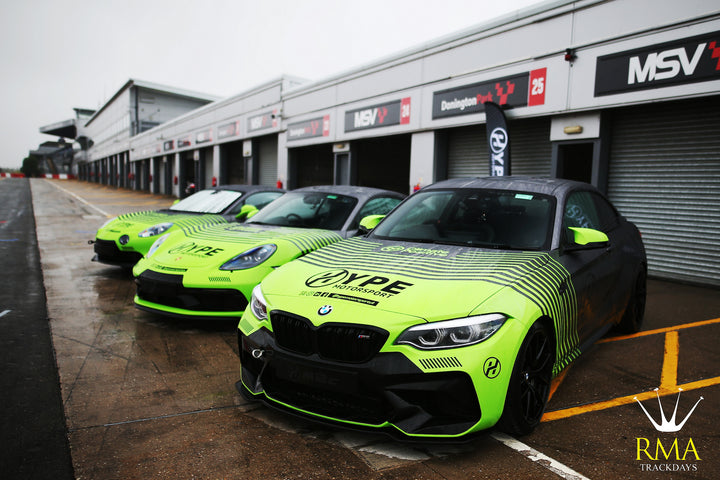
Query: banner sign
(689, 60)
(262, 121)
(316, 127)
(204, 137)
(228, 130)
(147, 151)
(383, 115)
(498, 140)
(183, 142)
(524, 89)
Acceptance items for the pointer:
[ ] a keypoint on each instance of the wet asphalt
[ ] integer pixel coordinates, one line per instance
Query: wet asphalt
(32, 421)
(94, 388)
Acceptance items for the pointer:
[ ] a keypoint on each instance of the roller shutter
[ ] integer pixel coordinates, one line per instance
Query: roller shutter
(665, 177)
(530, 149)
(268, 160)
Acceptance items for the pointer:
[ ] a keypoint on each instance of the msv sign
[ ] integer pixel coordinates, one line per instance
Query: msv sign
(690, 60)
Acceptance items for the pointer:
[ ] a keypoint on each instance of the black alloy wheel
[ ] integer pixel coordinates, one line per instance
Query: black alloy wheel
(530, 382)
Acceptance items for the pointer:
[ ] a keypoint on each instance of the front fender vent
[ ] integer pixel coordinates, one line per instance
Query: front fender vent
(440, 362)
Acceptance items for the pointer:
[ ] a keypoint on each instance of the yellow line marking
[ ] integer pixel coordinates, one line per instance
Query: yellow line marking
(616, 402)
(668, 377)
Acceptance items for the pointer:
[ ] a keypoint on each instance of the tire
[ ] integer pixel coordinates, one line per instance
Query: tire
(632, 319)
(529, 386)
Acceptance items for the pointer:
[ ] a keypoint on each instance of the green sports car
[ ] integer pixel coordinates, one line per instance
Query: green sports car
(210, 272)
(123, 240)
(452, 315)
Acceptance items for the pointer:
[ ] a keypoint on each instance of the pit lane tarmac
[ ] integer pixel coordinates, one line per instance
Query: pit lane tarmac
(149, 397)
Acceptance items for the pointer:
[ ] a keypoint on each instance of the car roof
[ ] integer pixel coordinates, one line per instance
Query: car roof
(246, 188)
(557, 187)
(350, 190)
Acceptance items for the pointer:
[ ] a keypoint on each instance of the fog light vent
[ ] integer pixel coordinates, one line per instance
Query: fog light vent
(440, 362)
(124, 240)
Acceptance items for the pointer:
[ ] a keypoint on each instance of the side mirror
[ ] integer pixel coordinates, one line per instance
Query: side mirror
(587, 238)
(369, 222)
(246, 212)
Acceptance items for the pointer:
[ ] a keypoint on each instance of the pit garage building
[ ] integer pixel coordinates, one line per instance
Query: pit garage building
(623, 94)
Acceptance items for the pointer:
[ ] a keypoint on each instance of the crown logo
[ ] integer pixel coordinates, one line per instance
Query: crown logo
(667, 426)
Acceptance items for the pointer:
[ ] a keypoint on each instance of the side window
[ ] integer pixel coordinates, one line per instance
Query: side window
(259, 200)
(607, 214)
(375, 206)
(580, 211)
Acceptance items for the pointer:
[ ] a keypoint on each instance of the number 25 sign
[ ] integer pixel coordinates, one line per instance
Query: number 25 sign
(538, 84)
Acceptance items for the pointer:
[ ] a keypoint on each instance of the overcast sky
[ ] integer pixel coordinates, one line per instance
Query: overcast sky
(58, 55)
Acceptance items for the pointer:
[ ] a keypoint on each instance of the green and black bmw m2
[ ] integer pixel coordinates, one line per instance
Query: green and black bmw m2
(452, 315)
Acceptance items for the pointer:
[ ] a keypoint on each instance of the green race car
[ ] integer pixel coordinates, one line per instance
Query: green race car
(452, 315)
(210, 272)
(123, 240)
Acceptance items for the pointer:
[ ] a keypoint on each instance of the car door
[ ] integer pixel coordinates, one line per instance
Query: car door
(594, 271)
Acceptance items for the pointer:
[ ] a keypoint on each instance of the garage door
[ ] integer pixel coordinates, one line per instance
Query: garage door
(530, 149)
(268, 160)
(665, 176)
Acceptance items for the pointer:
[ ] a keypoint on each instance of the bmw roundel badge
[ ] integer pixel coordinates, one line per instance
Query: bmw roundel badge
(325, 309)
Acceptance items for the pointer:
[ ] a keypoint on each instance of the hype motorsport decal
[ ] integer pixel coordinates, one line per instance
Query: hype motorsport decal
(689, 60)
(524, 89)
(344, 280)
(534, 275)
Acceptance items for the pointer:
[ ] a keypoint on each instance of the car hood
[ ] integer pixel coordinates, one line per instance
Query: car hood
(433, 282)
(214, 245)
(130, 223)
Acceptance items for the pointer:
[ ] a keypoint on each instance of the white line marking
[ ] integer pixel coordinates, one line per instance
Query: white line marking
(553, 465)
(2, 314)
(81, 199)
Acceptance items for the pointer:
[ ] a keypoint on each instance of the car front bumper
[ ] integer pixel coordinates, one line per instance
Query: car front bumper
(165, 294)
(107, 252)
(387, 392)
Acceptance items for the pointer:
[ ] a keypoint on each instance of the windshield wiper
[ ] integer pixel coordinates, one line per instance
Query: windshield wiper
(471, 243)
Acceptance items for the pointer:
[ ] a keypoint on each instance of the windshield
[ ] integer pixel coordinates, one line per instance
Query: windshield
(473, 217)
(207, 201)
(307, 209)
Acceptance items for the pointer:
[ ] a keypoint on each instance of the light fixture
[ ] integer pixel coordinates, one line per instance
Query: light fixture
(574, 129)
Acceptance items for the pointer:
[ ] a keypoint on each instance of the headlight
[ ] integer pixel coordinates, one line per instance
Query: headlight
(155, 230)
(452, 333)
(258, 305)
(156, 245)
(251, 258)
